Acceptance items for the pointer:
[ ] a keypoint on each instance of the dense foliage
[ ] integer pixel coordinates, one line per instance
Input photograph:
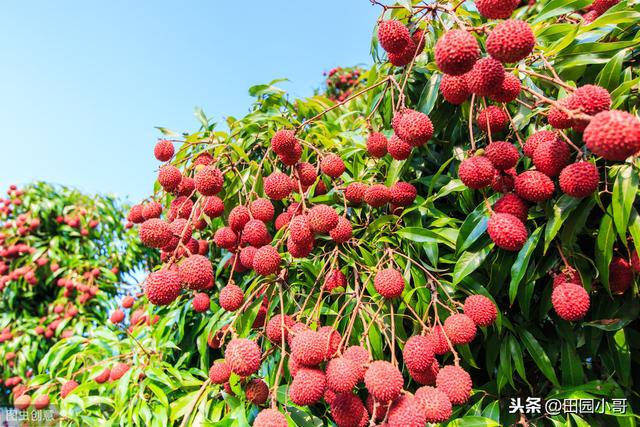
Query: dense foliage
(264, 219)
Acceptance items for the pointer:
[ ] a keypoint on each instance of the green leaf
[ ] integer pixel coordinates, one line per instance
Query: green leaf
(559, 7)
(561, 211)
(609, 76)
(473, 421)
(519, 267)
(572, 372)
(604, 247)
(625, 188)
(469, 262)
(539, 356)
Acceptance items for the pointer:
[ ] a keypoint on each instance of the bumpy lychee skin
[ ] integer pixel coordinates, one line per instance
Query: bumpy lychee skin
(620, 275)
(270, 418)
(152, 210)
(496, 9)
(534, 186)
(225, 238)
(439, 340)
(360, 356)
(22, 402)
(162, 287)
(335, 279)
(278, 327)
(299, 229)
(415, 128)
(266, 261)
(282, 220)
(332, 166)
(163, 150)
(510, 41)
(169, 177)
(256, 391)
(238, 217)
(398, 149)
(590, 16)
(292, 157)
(307, 347)
(514, 205)
(389, 283)
(377, 145)
(299, 250)
(535, 139)
(67, 388)
(342, 232)
(460, 328)
(117, 316)
(306, 173)
(428, 376)
(354, 192)
(508, 91)
(579, 179)
(135, 214)
(209, 181)
(342, 374)
(507, 232)
(435, 404)
(262, 209)
(213, 206)
(570, 301)
(255, 233)
(155, 233)
(377, 195)
(393, 36)
(601, 6)
(613, 135)
(383, 381)
(231, 297)
(196, 272)
(118, 370)
(476, 172)
(403, 58)
(455, 382)
(41, 402)
(403, 193)
(503, 155)
(277, 186)
(219, 373)
(330, 341)
(557, 118)
(454, 89)
(567, 275)
(486, 75)
(551, 156)
(589, 99)
(347, 410)
(406, 411)
(456, 51)
(492, 118)
(283, 142)
(307, 386)
(322, 218)
(481, 310)
(418, 353)
(504, 181)
(242, 356)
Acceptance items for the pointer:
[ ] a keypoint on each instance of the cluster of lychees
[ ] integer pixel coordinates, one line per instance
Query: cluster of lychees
(341, 82)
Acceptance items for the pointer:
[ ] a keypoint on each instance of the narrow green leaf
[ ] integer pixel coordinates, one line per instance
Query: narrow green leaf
(572, 372)
(625, 189)
(539, 356)
(604, 247)
(469, 262)
(519, 267)
(561, 211)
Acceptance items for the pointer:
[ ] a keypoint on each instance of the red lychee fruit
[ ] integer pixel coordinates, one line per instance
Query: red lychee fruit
(102, 376)
(342, 232)
(246, 256)
(22, 402)
(266, 261)
(428, 376)
(335, 279)
(41, 402)
(589, 99)
(322, 218)
(255, 233)
(213, 206)
(332, 166)
(117, 316)
(331, 341)
(496, 9)
(551, 156)
(277, 186)
(196, 272)
(534, 186)
(510, 41)
(410, 51)
(503, 155)
(456, 52)
(418, 353)
(299, 250)
(278, 328)
(415, 128)
(486, 75)
(435, 404)
(455, 382)
(342, 374)
(219, 373)
(557, 118)
(238, 217)
(377, 145)
(242, 356)
(377, 195)
(225, 238)
(460, 329)
(180, 208)
(354, 192)
(67, 388)
(514, 205)
(620, 275)
(347, 410)
(152, 210)
(476, 172)
(383, 381)
(504, 181)
(204, 159)
(480, 309)
(307, 386)
(209, 181)
(402, 193)
(492, 118)
(534, 140)
(393, 36)
(299, 229)
(262, 209)
(567, 275)
(508, 91)
(398, 149)
(201, 302)
(507, 232)
(169, 177)
(360, 356)
(127, 302)
(579, 179)
(231, 297)
(155, 233)
(406, 411)
(256, 391)
(186, 187)
(118, 370)
(162, 287)
(282, 220)
(283, 142)
(439, 340)
(389, 283)
(570, 301)
(454, 89)
(601, 6)
(307, 347)
(270, 418)
(613, 135)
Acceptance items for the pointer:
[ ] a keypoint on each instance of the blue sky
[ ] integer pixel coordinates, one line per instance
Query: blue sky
(83, 83)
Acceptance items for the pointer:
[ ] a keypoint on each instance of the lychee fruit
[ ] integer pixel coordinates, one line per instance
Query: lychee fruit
(567, 275)
(551, 156)
(213, 206)
(332, 166)
(255, 233)
(283, 142)
(335, 279)
(486, 75)
(590, 100)
(460, 329)
(455, 382)
(196, 272)
(393, 36)
(534, 186)
(383, 381)
(480, 309)
(507, 232)
(613, 135)
(169, 177)
(209, 181)
(238, 217)
(557, 118)
(492, 119)
(402, 193)
(307, 347)
(278, 328)
(342, 232)
(428, 376)
(163, 150)
(377, 145)
(454, 89)
(307, 386)
(579, 179)
(299, 229)
(601, 6)
(510, 41)
(117, 316)
(435, 404)
(242, 356)
(118, 370)
(406, 411)
(503, 155)
(389, 283)
(456, 52)
(508, 91)
(415, 128)
(496, 9)
(534, 140)
(342, 374)
(347, 410)
(225, 238)
(418, 353)
(439, 340)
(135, 214)
(67, 388)
(41, 402)
(620, 275)
(398, 149)
(270, 418)
(504, 181)
(306, 173)
(476, 172)
(262, 209)
(22, 402)
(219, 373)
(155, 233)
(354, 192)
(377, 195)
(277, 186)
(162, 287)
(570, 301)
(514, 205)
(256, 391)
(201, 302)
(322, 218)
(152, 210)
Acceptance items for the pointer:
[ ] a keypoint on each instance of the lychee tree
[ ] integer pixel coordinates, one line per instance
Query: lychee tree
(456, 233)
(63, 257)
